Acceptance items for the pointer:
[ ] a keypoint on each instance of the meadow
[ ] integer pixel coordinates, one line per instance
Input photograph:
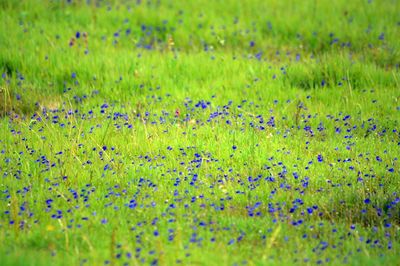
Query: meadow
(258, 132)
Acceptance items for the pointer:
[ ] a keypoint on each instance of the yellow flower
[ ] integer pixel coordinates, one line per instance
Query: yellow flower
(171, 42)
(49, 227)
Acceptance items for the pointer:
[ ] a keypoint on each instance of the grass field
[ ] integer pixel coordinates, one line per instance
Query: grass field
(199, 132)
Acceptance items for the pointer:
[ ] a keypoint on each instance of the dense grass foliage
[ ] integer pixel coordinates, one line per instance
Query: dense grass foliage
(199, 132)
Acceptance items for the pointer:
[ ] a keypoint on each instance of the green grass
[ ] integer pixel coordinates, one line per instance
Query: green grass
(202, 133)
